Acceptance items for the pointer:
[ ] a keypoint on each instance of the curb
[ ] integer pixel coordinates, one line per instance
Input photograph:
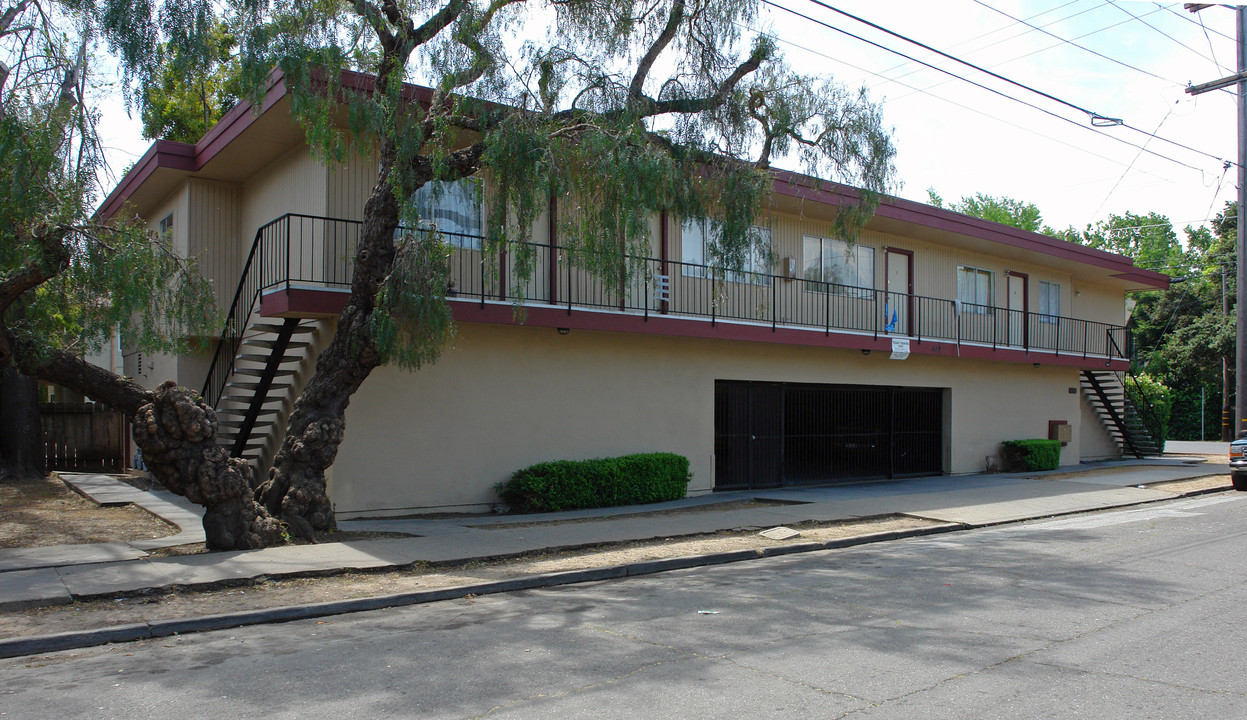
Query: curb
(79, 639)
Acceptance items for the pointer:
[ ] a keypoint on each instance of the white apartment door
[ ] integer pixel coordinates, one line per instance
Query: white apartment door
(900, 302)
(1017, 309)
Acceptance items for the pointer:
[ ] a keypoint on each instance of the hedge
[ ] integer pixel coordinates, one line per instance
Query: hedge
(602, 482)
(1028, 455)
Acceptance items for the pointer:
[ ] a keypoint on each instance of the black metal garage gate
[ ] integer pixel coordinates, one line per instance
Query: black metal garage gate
(768, 434)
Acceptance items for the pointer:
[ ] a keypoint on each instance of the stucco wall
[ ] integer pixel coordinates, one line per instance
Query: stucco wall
(294, 183)
(505, 397)
(1096, 443)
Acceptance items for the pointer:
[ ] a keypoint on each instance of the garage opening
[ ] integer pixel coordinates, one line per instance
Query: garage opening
(771, 434)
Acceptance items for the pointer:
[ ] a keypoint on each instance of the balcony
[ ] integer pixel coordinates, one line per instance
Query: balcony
(300, 266)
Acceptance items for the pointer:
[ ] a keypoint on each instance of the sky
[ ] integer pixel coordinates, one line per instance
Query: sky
(958, 139)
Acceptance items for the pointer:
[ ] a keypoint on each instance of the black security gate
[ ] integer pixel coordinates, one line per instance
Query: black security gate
(770, 434)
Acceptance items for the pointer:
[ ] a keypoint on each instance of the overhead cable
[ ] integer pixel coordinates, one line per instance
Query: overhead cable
(968, 108)
(994, 91)
(1081, 47)
(1097, 120)
(1162, 32)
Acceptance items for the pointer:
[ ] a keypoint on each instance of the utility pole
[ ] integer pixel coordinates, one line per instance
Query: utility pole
(1227, 409)
(1240, 79)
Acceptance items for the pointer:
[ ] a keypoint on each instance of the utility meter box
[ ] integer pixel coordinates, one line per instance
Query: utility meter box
(1060, 430)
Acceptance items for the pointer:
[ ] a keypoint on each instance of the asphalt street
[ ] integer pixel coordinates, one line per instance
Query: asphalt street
(1134, 613)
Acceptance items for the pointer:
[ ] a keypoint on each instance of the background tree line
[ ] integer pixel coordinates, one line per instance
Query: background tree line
(1184, 334)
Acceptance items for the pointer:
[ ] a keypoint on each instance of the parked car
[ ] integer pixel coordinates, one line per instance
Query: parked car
(1238, 463)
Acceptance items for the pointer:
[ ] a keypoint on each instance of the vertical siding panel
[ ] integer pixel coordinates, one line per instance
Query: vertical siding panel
(213, 236)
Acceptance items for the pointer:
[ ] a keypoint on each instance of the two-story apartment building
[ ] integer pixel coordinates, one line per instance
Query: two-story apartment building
(915, 350)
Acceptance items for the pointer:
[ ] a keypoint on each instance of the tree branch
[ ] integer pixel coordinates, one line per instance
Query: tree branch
(6, 20)
(635, 91)
(373, 16)
(68, 370)
(697, 105)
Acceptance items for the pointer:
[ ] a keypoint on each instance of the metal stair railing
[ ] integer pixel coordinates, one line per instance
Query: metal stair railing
(245, 299)
(320, 250)
(1147, 413)
(1127, 437)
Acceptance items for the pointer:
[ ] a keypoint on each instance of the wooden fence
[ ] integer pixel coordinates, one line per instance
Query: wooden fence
(83, 436)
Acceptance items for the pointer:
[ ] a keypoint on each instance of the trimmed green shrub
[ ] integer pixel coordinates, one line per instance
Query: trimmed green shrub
(602, 482)
(1029, 455)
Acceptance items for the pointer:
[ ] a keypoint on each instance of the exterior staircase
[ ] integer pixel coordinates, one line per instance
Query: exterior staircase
(261, 385)
(1107, 394)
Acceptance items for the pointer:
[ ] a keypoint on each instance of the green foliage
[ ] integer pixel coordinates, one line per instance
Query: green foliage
(564, 115)
(192, 90)
(1031, 455)
(89, 280)
(603, 482)
(1148, 239)
(413, 322)
(1183, 333)
(1152, 401)
(1003, 210)
(1184, 412)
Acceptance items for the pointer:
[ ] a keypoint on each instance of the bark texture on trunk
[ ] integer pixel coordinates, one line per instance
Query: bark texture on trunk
(21, 429)
(295, 489)
(177, 432)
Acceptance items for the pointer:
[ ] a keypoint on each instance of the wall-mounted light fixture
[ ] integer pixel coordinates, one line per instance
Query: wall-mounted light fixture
(865, 352)
(564, 331)
(1036, 364)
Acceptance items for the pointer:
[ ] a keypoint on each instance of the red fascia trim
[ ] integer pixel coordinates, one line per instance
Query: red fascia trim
(302, 301)
(497, 314)
(785, 182)
(804, 187)
(237, 120)
(311, 301)
(162, 154)
(192, 158)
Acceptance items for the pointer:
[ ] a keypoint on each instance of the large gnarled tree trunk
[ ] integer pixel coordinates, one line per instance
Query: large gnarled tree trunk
(295, 490)
(176, 430)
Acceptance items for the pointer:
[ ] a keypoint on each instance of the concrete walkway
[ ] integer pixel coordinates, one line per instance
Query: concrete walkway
(54, 575)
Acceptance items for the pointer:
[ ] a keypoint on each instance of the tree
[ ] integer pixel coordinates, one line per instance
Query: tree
(1185, 334)
(1149, 239)
(192, 90)
(66, 283)
(1003, 210)
(637, 106)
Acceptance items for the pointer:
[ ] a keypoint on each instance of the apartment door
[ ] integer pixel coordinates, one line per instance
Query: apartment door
(748, 434)
(900, 301)
(1018, 308)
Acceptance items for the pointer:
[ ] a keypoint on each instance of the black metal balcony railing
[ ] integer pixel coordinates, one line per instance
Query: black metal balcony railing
(319, 251)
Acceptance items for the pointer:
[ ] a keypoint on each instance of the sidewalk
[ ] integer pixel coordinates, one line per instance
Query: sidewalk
(54, 575)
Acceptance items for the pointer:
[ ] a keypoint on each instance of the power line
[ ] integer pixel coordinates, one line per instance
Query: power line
(1211, 51)
(1080, 47)
(1128, 167)
(918, 90)
(984, 87)
(1217, 192)
(1162, 32)
(1093, 115)
(1187, 17)
(1003, 40)
(1059, 44)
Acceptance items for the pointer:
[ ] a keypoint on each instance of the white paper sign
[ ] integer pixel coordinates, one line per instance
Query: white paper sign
(900, 348)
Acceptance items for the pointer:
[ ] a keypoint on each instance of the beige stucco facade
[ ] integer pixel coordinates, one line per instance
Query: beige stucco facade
(511, 393)
(505, 397)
